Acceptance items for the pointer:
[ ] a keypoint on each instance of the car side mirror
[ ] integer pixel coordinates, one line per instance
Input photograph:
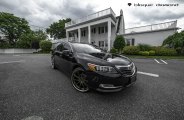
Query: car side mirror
(66, 53)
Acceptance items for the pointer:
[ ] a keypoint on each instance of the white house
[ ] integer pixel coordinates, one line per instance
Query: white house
(153, 35)
(101, 28)
(98, 28)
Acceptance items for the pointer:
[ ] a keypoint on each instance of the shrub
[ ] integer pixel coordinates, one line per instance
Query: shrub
(151, 53)
(176, 40)
(144, 53)
(144, 47)
(165, 51)
(178, 50)
(4, 45)
(119, 43)
(22, 44)
(45, 45)
(131, 50)
(113, 50)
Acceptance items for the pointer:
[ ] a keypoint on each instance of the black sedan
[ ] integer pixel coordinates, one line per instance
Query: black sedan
(92, 68)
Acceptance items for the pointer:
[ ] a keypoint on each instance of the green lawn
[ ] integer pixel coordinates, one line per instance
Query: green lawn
(156, 57)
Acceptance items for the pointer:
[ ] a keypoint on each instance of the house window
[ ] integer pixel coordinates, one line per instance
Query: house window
(93, 30)
(101, 43)
(102, 29)
(71, 34)
(98, 30)
(83, 33)
(133, 41)
(106, 29)
(128, 42)
(106, 44)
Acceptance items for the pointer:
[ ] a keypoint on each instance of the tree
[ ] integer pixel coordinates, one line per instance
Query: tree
(25, 40)
(175, 41)
(31, 39)
(57, 29)
(35, 45)
(13, 26)
(119, 43)
(40, 35)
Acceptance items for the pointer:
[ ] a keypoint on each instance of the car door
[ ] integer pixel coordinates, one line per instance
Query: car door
(58, 55)
(67, 59)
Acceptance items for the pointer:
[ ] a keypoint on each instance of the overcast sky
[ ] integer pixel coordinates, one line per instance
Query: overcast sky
(44, 12)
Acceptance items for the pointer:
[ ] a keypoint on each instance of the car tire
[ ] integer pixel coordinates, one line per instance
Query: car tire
(79, 81)
(53, 65)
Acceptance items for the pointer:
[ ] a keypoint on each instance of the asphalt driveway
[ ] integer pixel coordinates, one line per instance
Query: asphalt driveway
(30, 88)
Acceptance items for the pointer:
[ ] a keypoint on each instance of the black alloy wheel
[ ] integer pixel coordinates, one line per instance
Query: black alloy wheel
(79, 80)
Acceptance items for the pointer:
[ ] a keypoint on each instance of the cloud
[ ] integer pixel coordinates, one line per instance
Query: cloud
(176, 1)
(43, 13)
(157, 15)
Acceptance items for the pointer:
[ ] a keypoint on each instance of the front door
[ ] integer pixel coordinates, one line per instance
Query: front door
(67, 59)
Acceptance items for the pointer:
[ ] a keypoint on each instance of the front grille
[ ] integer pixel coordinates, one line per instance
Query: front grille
(126, 70)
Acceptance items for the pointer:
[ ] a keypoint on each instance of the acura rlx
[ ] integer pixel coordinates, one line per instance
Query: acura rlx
(93, 68)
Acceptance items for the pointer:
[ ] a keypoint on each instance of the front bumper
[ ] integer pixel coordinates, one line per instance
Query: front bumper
(107, 82)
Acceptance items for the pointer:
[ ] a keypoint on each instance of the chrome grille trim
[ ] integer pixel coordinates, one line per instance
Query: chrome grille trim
(130, 71)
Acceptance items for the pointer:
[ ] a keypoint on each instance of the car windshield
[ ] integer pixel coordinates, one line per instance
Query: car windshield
(85, 48)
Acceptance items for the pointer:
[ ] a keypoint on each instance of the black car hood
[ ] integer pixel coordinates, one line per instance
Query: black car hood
(105, 58)
(119, 60)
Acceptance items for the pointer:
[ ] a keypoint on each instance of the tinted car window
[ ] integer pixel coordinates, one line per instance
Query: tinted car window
(67, 47)
(60, 47)
(85, 48)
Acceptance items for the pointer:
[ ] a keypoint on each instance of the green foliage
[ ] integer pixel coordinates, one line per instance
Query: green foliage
(180, 50)
(165, 51)
(31, 39)
(144, 53)
(35, 45)
(119, 42)
(45, 45)
(113, 50)
(40, 35)
(4, 45)
(131, 50)
(175, 41)
(25, 40)
(57, 29)
(151, 53)
(13, 26)
(144, 47)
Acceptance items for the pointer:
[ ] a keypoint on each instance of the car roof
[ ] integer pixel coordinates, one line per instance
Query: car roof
(70, 42)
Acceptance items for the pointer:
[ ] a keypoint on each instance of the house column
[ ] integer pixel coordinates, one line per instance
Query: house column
(89, 34)
(109, 35)
(79, 35)
(67, 35)
(75, 36)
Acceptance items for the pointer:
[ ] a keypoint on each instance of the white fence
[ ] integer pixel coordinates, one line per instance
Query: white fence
(153, 27)
(15, 50)
(91, 16)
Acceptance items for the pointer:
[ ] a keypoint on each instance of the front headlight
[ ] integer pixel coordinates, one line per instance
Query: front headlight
(98, 68)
